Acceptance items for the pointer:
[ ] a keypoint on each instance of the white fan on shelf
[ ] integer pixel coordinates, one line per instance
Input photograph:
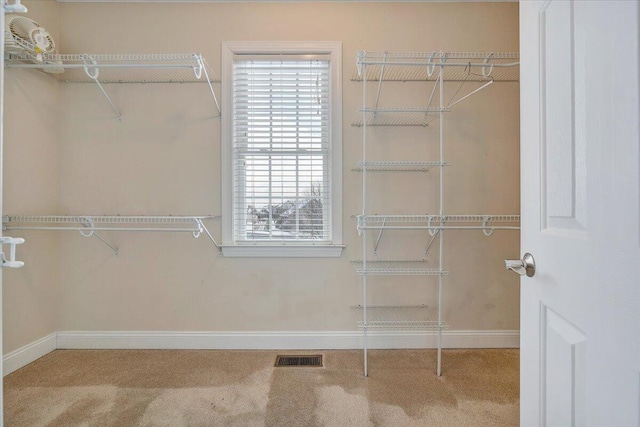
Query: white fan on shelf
(25, 36)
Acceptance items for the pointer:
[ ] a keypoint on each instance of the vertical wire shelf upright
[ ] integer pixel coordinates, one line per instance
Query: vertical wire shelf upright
(437, 67)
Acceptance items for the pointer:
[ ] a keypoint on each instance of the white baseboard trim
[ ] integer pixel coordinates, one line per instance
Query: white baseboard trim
(31, 352)
(285, 340)
(258, 340)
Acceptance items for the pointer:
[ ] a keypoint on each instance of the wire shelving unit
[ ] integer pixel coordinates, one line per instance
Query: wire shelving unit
(397, 268)
(398, 166)
(419, 317)
(485, 223)
(121, 68)
(88, 225)
(412, 116)
(480, 70)
(424, 66)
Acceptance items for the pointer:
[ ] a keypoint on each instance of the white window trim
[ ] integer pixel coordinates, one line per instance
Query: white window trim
(276, 249)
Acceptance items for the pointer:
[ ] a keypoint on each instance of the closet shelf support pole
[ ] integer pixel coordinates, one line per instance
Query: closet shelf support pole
(213, 94)
(115, 250)
(375, 247)
(364, 212)
(441, 233)
(471, 93)
(204, 228)
(433, 91)
(433, 238)
(380, 81)
(92, 71)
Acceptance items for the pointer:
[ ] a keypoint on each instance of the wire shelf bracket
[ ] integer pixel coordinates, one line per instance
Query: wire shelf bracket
(87, 225)
(121, 68)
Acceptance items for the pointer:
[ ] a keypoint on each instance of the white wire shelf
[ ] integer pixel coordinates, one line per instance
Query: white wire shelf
(425, 66)
(401, 317)
(413, 116)
(433, 223)
(397, 268)
(87, 225)
(400, 166)
(120, 68)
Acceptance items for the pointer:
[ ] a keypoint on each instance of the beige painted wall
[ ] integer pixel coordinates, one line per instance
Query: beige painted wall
(164, 158)
(31, 174)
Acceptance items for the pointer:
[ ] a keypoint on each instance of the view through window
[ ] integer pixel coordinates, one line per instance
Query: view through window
(281, 144)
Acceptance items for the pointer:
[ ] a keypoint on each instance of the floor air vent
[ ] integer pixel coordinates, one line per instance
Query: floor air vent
(314, 361)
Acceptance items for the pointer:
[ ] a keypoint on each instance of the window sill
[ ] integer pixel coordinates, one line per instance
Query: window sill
(280, 251)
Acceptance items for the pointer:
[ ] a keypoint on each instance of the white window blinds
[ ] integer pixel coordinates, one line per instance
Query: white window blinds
(281, 149)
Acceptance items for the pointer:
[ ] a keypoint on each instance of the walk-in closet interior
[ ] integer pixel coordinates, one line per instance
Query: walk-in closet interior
(113, 176)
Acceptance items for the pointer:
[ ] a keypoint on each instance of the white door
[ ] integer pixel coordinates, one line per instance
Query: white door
(2, 12)
(580, 313)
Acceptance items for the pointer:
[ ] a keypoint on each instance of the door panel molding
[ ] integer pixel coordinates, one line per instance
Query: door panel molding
(563, 364)
(563, 186)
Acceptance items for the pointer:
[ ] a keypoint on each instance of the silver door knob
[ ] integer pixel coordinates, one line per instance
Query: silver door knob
(526, 265)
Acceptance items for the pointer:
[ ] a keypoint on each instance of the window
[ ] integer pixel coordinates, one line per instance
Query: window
(281, 137)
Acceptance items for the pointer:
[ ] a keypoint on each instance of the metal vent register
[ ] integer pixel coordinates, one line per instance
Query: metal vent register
(303, 361)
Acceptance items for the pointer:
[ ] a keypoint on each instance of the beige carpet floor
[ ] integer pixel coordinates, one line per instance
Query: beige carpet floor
(243, 388)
